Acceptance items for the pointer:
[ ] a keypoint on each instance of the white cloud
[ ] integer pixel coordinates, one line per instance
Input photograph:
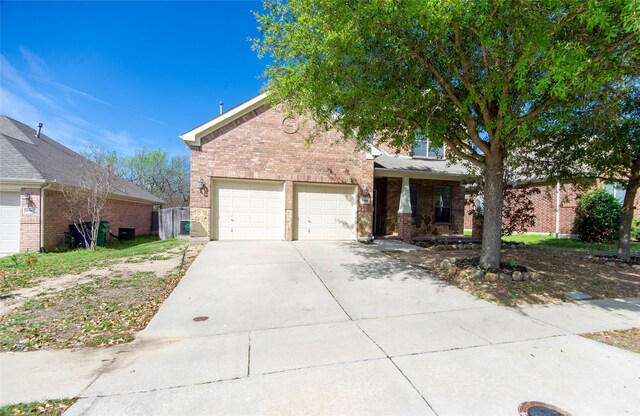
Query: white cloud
(10, 76)
(33, 96)
(36, 64)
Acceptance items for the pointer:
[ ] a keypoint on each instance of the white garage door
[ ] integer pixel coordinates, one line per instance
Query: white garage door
(248, 210)
(9, 222)
(325, 212)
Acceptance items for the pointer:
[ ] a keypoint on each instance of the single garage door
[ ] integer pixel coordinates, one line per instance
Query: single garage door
(325, 212)
(9, 222)
(248, 210)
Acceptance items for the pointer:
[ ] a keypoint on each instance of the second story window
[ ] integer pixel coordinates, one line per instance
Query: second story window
(425, 148)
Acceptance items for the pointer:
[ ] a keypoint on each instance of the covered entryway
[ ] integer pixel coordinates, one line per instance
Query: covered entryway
(325, 212)
(247, 210)
(9, 222)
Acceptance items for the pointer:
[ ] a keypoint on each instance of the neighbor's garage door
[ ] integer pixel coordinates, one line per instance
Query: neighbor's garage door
(9, 222)
(325, 212)
(248, 210)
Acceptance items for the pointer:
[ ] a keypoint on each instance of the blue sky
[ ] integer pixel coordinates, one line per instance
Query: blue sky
(125, 75)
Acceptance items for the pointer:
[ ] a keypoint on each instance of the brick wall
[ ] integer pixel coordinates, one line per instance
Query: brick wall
(545, 209)
(256, 147)
(30, 220)
(119, 213)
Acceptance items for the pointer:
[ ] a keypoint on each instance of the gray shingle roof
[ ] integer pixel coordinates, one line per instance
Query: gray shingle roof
(24, 156)
(423, 166)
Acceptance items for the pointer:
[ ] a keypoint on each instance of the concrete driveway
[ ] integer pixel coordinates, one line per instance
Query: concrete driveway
(340, 328)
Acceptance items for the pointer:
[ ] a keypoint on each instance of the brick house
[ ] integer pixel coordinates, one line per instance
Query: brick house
(254, 176)
(33, 168)
(555, 208)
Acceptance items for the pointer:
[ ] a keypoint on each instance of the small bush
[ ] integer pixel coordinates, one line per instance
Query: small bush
(597, 217)
(635, 229)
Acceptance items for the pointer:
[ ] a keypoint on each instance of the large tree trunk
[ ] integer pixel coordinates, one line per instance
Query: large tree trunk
(624, 243)
(493, 200)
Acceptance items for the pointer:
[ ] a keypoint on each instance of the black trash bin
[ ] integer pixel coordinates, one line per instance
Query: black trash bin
(125, 234)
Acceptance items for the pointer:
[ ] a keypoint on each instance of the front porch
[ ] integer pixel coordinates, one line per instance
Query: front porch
(414, 207)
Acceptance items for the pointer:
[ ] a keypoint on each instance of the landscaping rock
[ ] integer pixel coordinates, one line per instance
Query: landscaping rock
(534, 276)
(610, 263)
(446, 264)
(478, 274)
(522, 245)
(513, 246)
(453, 260)
(490, 277)
(636, 266)
(505, 276)
(520, 276)
(453, 270)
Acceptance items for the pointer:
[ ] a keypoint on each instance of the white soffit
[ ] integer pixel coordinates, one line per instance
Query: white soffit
(192, 137)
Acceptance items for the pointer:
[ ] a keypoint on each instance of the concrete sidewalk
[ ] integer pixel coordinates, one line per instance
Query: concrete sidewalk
(340, 328)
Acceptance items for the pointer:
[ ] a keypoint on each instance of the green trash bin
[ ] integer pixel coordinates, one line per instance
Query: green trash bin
(103, 232)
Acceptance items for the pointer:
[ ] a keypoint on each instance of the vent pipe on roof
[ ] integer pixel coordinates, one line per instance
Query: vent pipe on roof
(221, 104)
(39, 129)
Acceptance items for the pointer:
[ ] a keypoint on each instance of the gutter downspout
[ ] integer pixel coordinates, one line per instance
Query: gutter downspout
(558, 209)
(46, 186)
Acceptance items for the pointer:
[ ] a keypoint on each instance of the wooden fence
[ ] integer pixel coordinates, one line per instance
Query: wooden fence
(170, 220)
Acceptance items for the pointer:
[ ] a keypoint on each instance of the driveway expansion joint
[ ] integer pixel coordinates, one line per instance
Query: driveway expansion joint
(322, 281)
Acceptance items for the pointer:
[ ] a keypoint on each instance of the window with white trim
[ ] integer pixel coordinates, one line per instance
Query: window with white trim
(426, 148)
(616, 189)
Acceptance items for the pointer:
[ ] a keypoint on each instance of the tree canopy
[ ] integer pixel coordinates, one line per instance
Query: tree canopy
(154, 170)
(472, 74)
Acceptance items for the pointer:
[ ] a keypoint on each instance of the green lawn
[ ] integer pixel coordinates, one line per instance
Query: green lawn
(566, 243)
(22, 270)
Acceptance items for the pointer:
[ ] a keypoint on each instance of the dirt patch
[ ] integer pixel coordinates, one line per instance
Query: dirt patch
(100, 307)
(628, 339)
(552, 273)
(161, 265)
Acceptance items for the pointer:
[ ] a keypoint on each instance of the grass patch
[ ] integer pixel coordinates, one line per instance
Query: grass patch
(44, 407)
(106, 310)
(23, 270)
(568, 243)
(627, 339)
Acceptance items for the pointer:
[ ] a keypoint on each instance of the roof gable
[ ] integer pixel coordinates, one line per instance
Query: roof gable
(192, 137)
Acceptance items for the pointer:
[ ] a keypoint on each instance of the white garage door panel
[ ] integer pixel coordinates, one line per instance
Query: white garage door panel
(9, 222)
(325, 212)
(247, 210)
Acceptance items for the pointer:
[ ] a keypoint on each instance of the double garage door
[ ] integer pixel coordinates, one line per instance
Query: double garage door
(255, 210)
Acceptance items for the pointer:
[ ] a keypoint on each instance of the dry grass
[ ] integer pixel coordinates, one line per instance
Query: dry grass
(628, 339)
(100, 310)
(559, 271)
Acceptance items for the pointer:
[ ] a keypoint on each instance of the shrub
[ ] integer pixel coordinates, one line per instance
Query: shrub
(597, 217)
(635, 229)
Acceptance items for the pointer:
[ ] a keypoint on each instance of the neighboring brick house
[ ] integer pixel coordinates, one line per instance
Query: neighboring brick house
(33, 168)
(254, 176)
(555, 208)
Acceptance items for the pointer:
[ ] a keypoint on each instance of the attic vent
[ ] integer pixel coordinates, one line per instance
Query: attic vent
(221, 105)
(39, 130)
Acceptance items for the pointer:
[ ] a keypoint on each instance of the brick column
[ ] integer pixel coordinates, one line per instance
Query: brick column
(288, 210)
(405, 222)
